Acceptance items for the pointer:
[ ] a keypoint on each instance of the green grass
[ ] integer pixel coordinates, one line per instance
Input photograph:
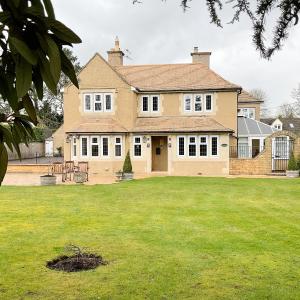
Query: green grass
(164, 238)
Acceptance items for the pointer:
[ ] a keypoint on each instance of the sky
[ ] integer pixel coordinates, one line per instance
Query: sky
(157, 31)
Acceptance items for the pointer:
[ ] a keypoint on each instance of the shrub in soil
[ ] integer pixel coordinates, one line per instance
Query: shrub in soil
(79, 261)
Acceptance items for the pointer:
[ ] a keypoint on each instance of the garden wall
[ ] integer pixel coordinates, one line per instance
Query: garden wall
(262, 163)
(28, 152)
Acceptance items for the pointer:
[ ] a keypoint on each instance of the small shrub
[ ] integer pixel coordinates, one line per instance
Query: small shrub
(293, 165)
(127, 167)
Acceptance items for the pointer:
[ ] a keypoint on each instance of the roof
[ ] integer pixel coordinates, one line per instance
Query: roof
(178, 124)
(103, 125)
(174, 77)
(290, 124)
(247, 97)
(251, 127)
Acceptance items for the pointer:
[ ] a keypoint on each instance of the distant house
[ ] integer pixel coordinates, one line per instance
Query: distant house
(288, 124)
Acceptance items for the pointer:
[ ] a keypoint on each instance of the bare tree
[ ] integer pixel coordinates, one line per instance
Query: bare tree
(287, 110)
(296, 97)
(261, 95)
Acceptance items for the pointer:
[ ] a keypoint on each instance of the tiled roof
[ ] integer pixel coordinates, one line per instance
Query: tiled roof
(247, 97)
(178, 124)
(103, 125)
(289, 124)
(174, 77)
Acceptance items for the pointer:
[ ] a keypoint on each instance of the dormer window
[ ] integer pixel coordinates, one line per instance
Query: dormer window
(98, 102)
(197, 103)
(150, 104)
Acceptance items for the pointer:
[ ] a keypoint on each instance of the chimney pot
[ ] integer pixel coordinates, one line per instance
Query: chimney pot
(115, 55)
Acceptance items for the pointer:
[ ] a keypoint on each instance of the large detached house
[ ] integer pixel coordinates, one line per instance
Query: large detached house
(180, 119)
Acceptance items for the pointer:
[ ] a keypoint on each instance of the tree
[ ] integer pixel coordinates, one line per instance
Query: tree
(287, 110)
(259, 12)
(261, 95)
(31, 41)
(296, 97)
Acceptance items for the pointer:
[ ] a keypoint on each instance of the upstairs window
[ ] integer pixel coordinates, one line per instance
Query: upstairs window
(97, 102)
(197, 103)
(87, 102)
(150, 104)
(137, 146)
(247, 112)
(208, 102)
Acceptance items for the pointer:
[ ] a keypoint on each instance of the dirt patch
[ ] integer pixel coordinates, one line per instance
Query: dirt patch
(76, 263)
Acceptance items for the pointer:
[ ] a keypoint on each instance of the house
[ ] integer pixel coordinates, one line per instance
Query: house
(289, 124)
(249, 106)
(178, 119)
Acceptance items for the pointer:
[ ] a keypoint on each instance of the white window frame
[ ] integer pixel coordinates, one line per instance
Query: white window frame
(245, 112)
(101, 102)
(74, 139)
(91, 102)
(111, 102)
(201, 103)
(218, 146)
(158, 104)
(134, 144)
(212, 102)
(93, 144)
(142, 103)
(121, 144)
(184, 146)
(87, 146)
(185, 97)
(201, 143)
(108, 146)
(188, 146)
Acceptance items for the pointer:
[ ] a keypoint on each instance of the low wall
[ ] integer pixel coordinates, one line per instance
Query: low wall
(28, 152)
(27, 168)
(262, 163)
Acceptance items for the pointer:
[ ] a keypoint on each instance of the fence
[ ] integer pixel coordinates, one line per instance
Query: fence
(34, 150)
(244, 151)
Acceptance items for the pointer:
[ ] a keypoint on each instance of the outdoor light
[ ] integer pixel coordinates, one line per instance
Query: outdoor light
(68, 139)
(144, 139)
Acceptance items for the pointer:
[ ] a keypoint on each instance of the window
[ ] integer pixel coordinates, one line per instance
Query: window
(74, 148)
(155, 104)
(187, 102)
(137, 146)
(105, 150)
(214, 140)
(203, 145)
(247, 112)
(118, 146)
(181, 146)
(84, 146)
(208, 102)
(98, 102)
(145, 103)
(192, 146)
(87, 102)
(198, 103)
(108, 102)
(95, 146)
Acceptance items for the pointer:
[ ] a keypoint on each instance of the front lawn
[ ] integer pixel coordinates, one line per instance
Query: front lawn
(164, 238)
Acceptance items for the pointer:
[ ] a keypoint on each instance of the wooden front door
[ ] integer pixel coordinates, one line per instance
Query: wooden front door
(159, 153)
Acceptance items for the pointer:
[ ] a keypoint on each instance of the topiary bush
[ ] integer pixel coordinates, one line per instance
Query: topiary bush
(293, 165)
(127, 167)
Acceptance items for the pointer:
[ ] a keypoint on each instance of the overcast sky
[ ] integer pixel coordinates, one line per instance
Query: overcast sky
(160, 32)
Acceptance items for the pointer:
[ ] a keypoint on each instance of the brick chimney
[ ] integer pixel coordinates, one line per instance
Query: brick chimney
(115, 55)
(201, 57)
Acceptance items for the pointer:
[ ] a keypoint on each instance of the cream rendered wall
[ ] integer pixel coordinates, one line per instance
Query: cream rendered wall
(224, 107)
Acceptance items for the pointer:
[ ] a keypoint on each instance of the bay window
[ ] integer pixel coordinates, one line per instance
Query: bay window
(95, 146)
(118, 146)
(214, 141)
(203, 145)
(192, 146)
(105, 145)
(84, 146)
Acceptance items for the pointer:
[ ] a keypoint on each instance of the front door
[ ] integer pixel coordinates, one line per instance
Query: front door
(159, 153)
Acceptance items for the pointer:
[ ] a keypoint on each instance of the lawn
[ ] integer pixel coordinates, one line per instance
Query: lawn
(164, 238)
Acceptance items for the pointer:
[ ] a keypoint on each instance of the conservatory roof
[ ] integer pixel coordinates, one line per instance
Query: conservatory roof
(251, 127)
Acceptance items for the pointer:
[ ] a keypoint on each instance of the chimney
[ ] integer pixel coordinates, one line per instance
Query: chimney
(201, 57)
(115, 55)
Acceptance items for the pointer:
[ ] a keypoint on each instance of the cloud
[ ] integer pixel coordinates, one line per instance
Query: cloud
(160, 32)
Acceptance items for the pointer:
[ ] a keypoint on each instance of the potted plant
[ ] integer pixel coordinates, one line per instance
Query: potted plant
(127, 168)
(293, 168)
(48, 179)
